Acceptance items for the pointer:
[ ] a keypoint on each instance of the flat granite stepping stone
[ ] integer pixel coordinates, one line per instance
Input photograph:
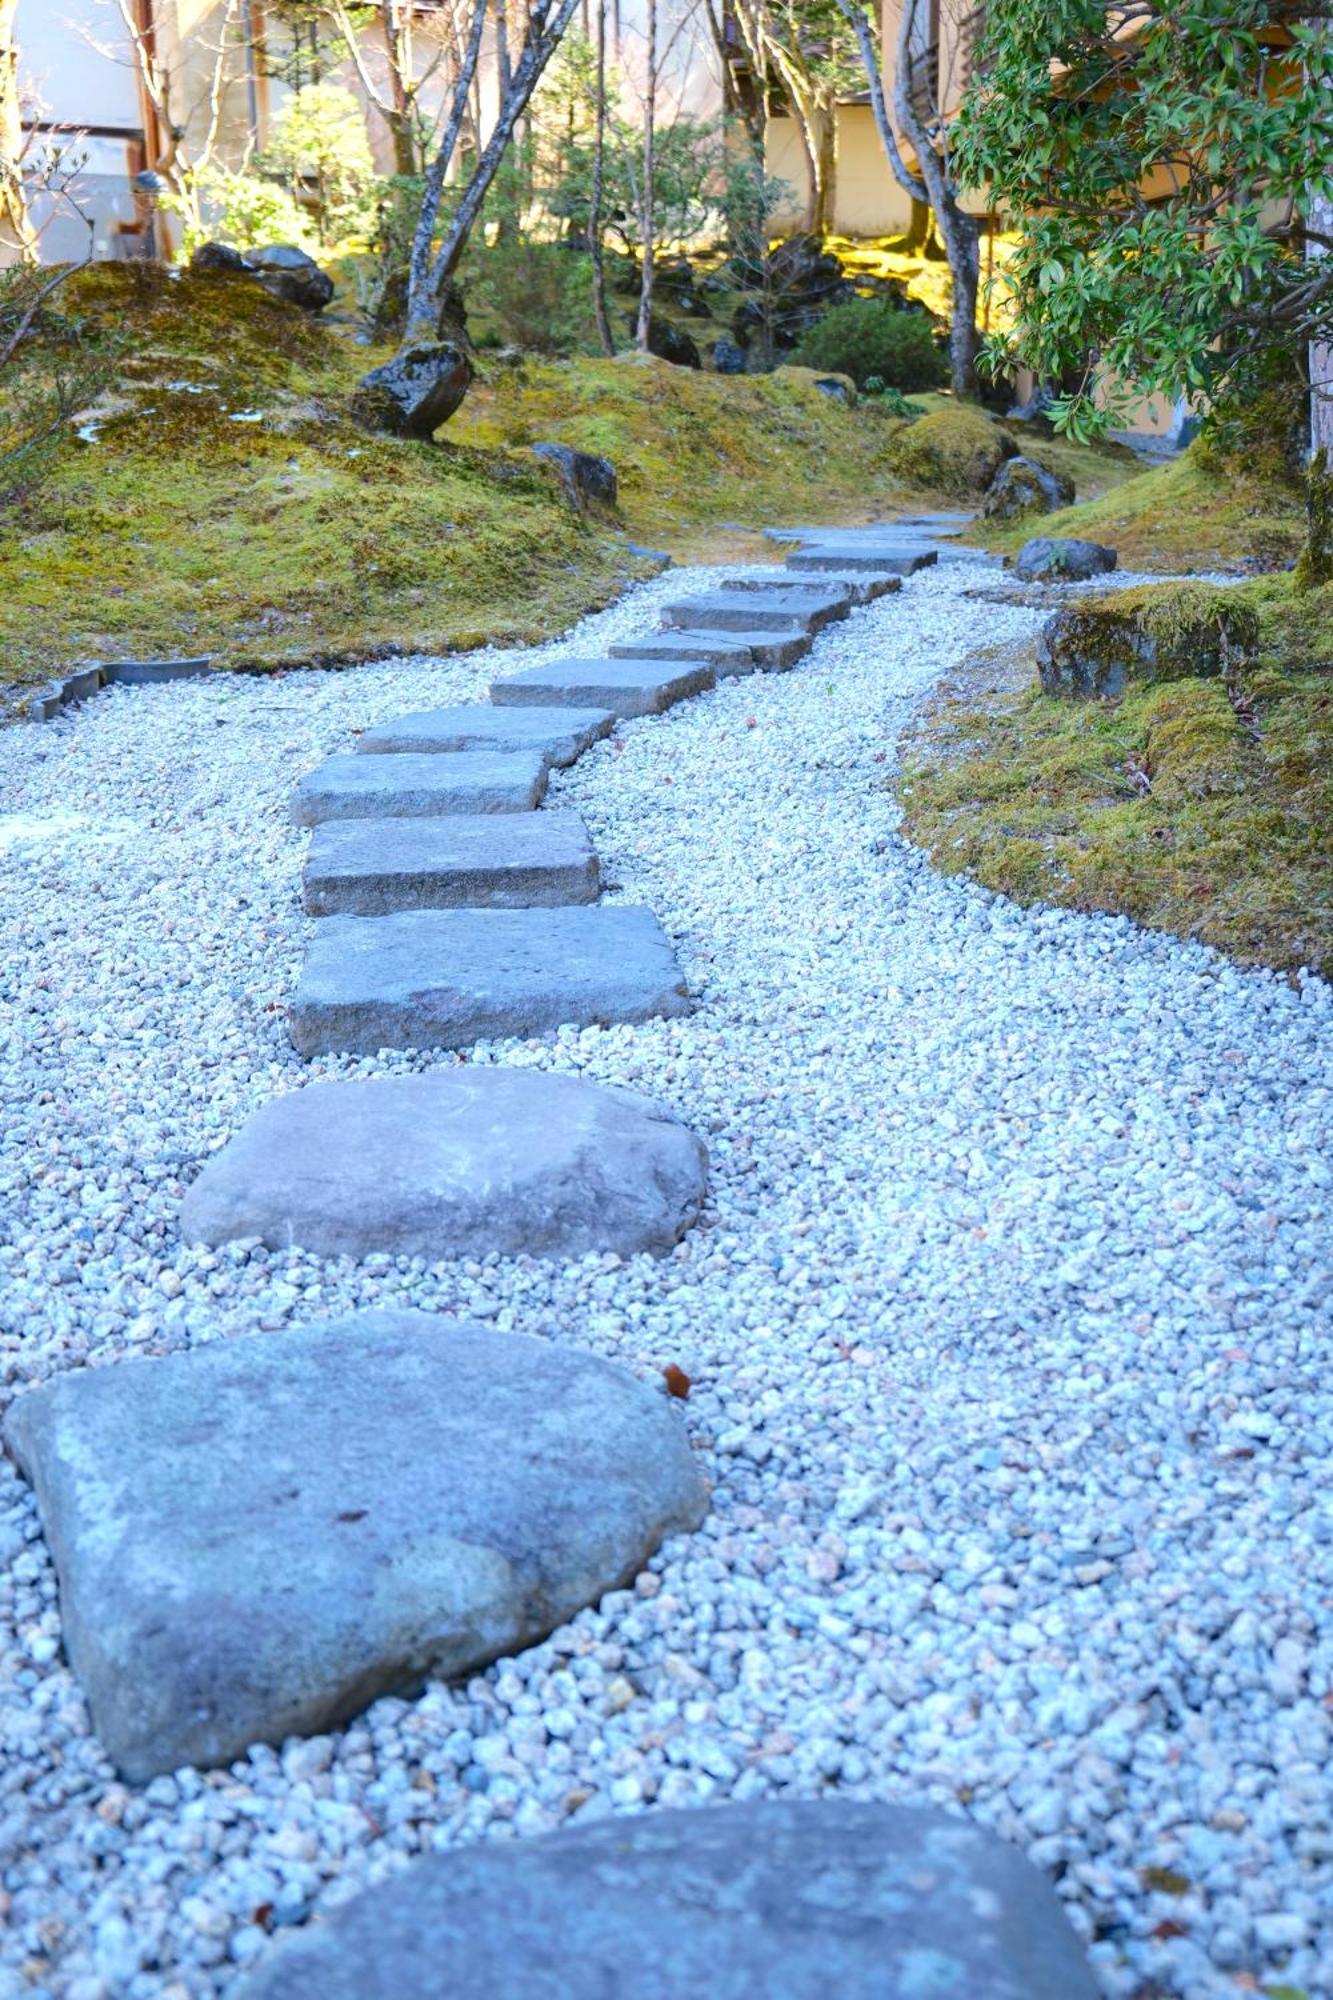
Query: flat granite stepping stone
(408, 787)
(775, 1899)
(367, 867)
(560, 739)
(259, 1537)
(932, 524)
(769, 652)
(862, 587)
(774, 611)
(454, 1164)
(432, 979)
(607, 684)
(896, 561)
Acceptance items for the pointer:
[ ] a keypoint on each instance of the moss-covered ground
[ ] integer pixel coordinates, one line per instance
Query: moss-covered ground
(1193, 513)
(1199, 806)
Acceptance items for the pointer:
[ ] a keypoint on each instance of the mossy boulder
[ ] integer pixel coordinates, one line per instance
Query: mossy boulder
(1026, 486)
(1165, 632)
(957, 451)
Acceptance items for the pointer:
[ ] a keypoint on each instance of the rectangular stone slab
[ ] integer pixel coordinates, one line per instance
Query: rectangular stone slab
(897, 561)
(610, 684)
(861, 588)
(931, 524)
(725, 655)
(429, 979)
(769, 651)
(773, 611)
(560, 738)
(508, 861)
(414, 787)
(257, 1538)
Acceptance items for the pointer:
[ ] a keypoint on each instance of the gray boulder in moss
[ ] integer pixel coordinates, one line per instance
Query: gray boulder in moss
(1024, 486)
(416, 392)
(1063, 559)
(1167, 633)
(586, 478)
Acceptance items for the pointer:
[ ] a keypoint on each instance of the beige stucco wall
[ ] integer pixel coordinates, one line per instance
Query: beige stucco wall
(869, 199)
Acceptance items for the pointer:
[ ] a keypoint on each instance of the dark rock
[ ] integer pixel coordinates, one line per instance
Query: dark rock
(288, 273)
(1023, 486)
(770, 1900)
(585, 478)
(728, 357)
(257, 1538)
(1063, 559)
(417, 391)
(670, 343)
(836, 389)
(218, 257)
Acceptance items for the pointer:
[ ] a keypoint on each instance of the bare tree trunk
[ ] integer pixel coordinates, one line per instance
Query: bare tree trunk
(826, 171)
(595, 244)
(16, 230)
(647, 204)
(960, 232)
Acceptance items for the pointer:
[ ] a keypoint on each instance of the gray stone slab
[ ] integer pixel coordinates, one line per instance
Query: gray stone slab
(769, 611)
(726, 656)
(155, 673)
(625, 690)
(448, 978)
(560, 738)
(775, 1899)
(861, 587)
(412, 787)
(259, 1537)
(454, 1164)
(506, 861)
(914, 525)
(770, 652)
(896, 561)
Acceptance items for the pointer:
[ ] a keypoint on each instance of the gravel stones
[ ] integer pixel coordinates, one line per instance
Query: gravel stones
(608, 684)
(258, 1538)
(500, 860)
(426, 979)
(479, 726)
(464, 1163)
(407, 787)
(789, 1901)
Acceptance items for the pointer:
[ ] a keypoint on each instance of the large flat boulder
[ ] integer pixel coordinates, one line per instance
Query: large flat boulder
(255, 1539)
(776, 1899)
(610, 684)
(793, 610)
(723, 652)
(412, 787)
(454, 1164)
(559, 738)
(426, 979)
(366, 867)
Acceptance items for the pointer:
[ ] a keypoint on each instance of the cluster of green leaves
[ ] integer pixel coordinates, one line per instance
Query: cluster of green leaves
(1162, 158)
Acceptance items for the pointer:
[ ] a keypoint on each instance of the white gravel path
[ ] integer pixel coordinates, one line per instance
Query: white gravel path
(1010, 1331)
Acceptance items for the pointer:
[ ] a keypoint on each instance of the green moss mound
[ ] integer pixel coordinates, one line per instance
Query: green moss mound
(220, 499)
(1199, 806)
(1198, 511)
(1150, 634)
(956, 451)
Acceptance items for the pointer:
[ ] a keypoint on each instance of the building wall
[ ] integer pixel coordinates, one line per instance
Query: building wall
(869, 201)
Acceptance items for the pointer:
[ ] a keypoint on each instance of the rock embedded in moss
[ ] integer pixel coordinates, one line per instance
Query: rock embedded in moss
(417, 391)
(1175, 632)
(1025, 486)
(1063, 559)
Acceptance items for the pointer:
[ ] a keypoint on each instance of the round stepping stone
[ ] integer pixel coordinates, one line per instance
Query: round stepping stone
(259, 1537)
(560, 738)
(407, 787)
(770, 1900)
(454, 1165)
